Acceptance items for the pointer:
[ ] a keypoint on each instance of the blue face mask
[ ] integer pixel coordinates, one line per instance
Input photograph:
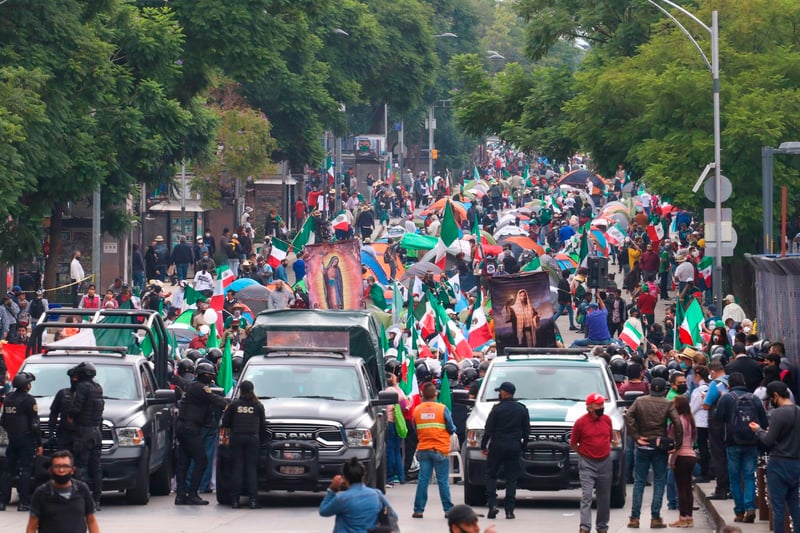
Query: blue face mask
(683, 365)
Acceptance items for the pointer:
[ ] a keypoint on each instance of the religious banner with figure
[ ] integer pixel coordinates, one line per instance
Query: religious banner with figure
(522, 309)
(333, 275)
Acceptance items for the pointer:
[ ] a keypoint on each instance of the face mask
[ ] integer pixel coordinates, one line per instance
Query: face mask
(682, 389)
(61, 479)
(715, 338)
(683, 365)
(599, 412)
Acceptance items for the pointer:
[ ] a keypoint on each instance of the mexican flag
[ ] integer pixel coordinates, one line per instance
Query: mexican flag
(340, 222)
(304, 235)
(329, 166)
(689, 326)
(632, 333)
(704, 268)
(192, 296)
(615, 234)
(475, 174)
(479, 332)
(583, 249)
(656, 233)
(447, 235)
(534, 265)
(225, 277)
(408, 383)
(225, 374)
(554, 204)
(425, 315)
(476, 231)
(278, 252)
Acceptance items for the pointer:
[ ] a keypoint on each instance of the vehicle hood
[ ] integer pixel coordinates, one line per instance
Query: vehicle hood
(546, 412)
(348, 413)
(120, 412)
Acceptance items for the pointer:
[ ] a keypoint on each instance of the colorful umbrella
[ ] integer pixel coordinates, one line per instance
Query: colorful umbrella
(488, 236)
(459, 212)
(526, 243)
(565, 262)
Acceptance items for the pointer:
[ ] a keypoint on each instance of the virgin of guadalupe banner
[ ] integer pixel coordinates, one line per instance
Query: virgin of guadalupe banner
(333, 275)
(523, 311)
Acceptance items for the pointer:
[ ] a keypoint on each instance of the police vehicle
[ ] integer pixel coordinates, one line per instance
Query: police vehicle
(553, 384)
(139, 415)
(318, 375)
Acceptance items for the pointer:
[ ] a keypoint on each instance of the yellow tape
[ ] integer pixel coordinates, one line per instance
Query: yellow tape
(90, 276)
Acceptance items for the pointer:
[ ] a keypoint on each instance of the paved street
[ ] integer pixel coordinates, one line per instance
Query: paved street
(294, 513)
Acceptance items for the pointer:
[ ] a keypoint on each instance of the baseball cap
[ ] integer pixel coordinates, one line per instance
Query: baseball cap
(506, 386)
(592, 305)
(658, 387)
(595, 398)
(461, 514)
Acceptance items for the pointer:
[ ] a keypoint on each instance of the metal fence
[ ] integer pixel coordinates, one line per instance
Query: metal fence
(778, 300)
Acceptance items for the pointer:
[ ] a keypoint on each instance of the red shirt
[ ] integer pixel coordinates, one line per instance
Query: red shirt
(647, 303)
(592, 436)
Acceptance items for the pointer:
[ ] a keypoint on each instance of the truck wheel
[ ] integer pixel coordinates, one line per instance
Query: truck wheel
(618, 494)
(140, 493)
(161, 479)
(223, 482)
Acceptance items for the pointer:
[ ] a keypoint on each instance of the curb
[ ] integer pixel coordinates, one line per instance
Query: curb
(708, 505)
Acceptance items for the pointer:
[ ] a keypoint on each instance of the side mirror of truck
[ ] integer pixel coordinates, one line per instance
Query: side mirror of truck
(462, 397)
(385, 397)
(163, 396)
(629, 398)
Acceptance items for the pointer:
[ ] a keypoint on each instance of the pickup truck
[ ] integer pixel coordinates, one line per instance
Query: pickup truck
(553, 384)
(140, 412)
(317, 375)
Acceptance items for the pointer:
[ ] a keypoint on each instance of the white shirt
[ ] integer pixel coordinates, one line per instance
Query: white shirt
(203, 281)
(76, 270)
(685, 272)
(696, 403)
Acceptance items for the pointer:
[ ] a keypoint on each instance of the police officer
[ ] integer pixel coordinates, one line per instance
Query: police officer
(184, 378)
(62, 428)
(86, 413)
(244, 421)
(195, 411)
(504, 438)
(20, 419)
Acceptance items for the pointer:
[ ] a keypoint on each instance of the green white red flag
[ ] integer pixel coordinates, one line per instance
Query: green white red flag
(705, 267)
(689, 327)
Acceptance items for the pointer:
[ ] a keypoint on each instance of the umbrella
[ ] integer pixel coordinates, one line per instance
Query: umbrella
(565, 262)
(375, 266)
(509, 230)
(525, 243)
(380, 248)
(420, 269)
(505, 220)
(253, 292)
(459, 212)
(578, 179)
(183, 333)
(602, 222)
(241, 283)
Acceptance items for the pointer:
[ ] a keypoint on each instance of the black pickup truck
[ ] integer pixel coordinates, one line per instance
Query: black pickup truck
(129, 348)
(319, 375)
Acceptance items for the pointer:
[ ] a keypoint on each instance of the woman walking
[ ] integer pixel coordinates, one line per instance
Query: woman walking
(682, 462)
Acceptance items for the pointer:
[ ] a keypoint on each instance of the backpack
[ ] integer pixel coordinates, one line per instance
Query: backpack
(37, 308)
(388, 255)
(739, 424)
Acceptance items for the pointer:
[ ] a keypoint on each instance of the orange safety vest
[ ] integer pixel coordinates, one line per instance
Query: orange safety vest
(431, 427)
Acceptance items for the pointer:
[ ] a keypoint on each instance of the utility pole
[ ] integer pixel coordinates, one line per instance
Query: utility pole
(431, 124)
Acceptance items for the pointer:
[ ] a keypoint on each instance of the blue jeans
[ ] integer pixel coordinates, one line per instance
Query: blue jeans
(560, 311)
(742, 469)
(783, 482)
(138, 280)
(430, 461)
(672, 491)
(394, 458)
(181, 269)
(644, 459)
(208, 436)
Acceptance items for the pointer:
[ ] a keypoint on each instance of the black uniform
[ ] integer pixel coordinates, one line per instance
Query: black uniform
(196, 410)
(20, 419)
(182, 382)
(60, 426)
(87, 414)
(245, 421)
(505, 436)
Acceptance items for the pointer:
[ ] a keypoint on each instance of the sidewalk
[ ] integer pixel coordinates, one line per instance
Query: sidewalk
(721, 511)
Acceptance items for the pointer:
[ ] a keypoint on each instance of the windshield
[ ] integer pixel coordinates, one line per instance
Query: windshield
(547, 382)
(294, 381)
(118, 381)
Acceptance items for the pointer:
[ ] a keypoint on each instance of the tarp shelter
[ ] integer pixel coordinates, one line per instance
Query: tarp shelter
(318, 328)
(414, 241)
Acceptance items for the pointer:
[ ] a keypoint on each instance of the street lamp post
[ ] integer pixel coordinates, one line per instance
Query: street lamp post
(713, 66)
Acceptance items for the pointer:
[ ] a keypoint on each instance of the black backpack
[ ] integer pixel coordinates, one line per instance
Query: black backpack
(744, 412)
(37, 308)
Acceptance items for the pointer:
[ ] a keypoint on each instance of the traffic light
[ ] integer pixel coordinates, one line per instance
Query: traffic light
(434, 154)
(598, 272)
